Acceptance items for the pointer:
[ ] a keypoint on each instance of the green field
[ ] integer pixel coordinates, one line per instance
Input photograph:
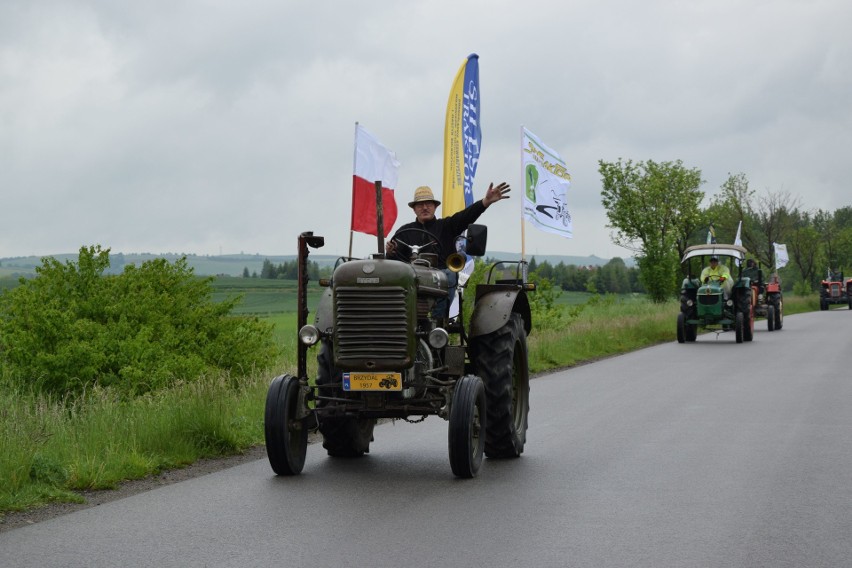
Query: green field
(261, 296)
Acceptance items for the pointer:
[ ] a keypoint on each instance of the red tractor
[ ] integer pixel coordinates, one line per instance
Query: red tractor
(766, 296)
(835, 290)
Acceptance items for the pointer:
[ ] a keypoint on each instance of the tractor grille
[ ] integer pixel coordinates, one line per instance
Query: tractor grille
(371, 323)
(834, 290)
(708, 299)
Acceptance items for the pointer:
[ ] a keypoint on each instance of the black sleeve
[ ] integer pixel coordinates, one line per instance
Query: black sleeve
(458, 222)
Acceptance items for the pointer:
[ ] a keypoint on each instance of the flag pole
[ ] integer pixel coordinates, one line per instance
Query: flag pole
(380, 218)
(523, 182)
(352, 205)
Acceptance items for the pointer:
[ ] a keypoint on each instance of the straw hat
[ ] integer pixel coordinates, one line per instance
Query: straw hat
(423, 193)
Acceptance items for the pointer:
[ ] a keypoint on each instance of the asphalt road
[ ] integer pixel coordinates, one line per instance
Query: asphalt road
(707, 454)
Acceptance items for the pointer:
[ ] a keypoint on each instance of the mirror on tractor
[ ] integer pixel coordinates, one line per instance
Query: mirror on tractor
(477, 235)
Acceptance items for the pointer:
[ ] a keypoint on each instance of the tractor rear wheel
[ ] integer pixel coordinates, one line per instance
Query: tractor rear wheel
(748, 326)
(739, 326)
(500, 358)
(344, 437)
(691, 332)
(468, 420)
(347, 437)
(286, 436)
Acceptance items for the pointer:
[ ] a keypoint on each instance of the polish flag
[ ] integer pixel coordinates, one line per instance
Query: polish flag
(373, 162)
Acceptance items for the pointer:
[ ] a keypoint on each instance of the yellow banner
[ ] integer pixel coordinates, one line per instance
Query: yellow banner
(462, 137)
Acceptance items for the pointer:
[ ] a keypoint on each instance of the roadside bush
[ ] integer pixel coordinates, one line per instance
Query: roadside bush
(72, 328)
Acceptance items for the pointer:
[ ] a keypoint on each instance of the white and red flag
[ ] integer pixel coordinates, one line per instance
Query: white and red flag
(373, 162)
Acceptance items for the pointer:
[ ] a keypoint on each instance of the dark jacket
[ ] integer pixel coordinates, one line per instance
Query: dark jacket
(444, 230)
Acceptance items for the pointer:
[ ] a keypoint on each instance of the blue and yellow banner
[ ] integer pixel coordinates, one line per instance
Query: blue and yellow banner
(462, 137)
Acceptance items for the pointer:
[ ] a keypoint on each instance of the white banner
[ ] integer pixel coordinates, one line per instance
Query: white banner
(546, 183)
(738, 240)
(781, 258)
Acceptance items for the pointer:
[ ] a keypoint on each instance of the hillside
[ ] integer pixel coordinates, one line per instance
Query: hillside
(234, 264)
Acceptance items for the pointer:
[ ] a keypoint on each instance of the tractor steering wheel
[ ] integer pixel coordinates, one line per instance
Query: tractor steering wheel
(406, 250)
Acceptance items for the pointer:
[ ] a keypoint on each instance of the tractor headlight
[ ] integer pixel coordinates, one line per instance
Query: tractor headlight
(729, 303)
(438, 338)
(309, 335)
(690, 303)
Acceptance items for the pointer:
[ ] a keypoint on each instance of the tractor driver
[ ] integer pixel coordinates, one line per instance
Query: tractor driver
(753, 273)
(718, 272)
(444, 230)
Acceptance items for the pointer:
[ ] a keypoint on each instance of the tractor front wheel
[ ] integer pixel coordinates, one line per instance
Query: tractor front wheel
(770, 317)
(681, 328)
(286, 435)
(468, 420)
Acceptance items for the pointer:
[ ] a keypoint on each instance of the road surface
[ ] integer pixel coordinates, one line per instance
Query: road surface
(707, 454)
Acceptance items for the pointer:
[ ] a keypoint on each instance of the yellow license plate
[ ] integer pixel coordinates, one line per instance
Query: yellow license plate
(358, 381)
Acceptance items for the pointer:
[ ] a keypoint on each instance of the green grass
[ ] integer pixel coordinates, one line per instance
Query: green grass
(53, 449)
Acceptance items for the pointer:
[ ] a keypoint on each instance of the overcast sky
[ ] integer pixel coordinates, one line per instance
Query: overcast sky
(226, 127)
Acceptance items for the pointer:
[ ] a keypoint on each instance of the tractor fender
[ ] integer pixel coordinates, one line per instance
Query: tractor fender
(324, 318)
(494, 307)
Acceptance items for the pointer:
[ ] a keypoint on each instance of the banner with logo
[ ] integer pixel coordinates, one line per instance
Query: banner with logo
(462, 138)
(546, 183)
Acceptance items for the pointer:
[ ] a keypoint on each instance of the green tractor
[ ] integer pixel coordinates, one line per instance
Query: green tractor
(716, 304)
(383, 354)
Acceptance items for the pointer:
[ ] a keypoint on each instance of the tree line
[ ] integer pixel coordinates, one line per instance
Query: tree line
(614, 277)
(288, 270)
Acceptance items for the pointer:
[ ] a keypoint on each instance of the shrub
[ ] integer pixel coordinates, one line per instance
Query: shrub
(72, 327)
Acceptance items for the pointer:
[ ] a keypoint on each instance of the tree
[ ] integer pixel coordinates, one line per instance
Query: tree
(268, 269)
(803, 246)
(774, 218)
(612, 277)
(767, 218)
(652, 207)
(729, 207)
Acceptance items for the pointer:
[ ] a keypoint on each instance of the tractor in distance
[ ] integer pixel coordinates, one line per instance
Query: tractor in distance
(835, 290)
(767, 295)
(715, 305)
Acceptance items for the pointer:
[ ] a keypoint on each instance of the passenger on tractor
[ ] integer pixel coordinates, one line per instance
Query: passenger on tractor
(443, 230)
(754, 274)
(718, 272)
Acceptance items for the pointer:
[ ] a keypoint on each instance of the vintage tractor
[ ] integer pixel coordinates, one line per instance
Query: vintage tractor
(383, 354)
(767, 297)
(712, 305)
(835, 290)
